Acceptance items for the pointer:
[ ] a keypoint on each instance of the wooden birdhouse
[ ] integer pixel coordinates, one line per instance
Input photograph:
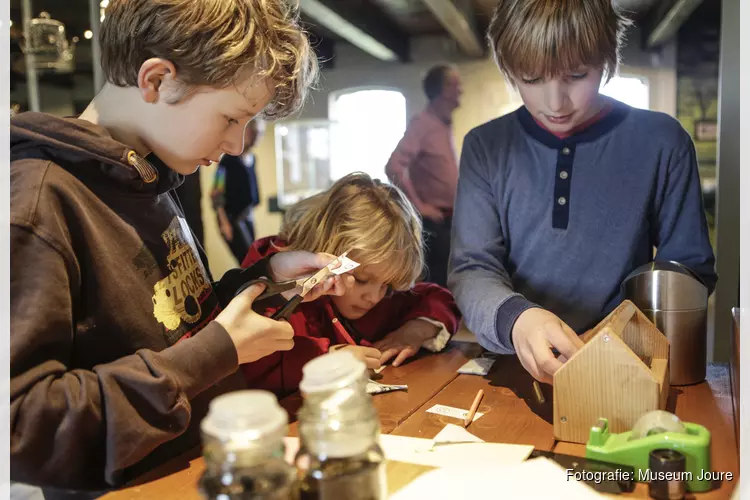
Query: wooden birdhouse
(621, 373)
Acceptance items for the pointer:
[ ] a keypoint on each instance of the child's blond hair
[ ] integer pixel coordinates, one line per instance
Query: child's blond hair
(548, 38)
(213, 43)
(373, 220)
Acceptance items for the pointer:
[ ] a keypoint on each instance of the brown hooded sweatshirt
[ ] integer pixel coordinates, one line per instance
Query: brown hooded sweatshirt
(114, 354)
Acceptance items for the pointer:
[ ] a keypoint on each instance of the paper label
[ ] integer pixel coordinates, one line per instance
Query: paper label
(450, 411)
(345, 265)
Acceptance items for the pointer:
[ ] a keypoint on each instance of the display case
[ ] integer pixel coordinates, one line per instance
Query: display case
(303, 160)
(49, 45)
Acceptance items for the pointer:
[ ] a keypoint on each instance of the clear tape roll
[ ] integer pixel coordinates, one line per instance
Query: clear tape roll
(657, 422)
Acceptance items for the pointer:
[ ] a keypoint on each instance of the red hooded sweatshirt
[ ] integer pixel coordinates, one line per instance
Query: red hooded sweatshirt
(318, 325)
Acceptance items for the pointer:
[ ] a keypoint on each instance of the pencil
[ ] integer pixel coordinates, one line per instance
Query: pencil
(538, 393)
(474, 407)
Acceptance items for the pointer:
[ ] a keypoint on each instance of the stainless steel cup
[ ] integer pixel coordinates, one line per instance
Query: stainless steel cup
(676, 301)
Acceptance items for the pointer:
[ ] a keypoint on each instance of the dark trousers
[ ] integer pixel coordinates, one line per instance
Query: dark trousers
(243, 236)
(437, 237)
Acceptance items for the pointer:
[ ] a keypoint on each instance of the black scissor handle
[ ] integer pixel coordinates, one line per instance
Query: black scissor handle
(272, 288)
(286, 311)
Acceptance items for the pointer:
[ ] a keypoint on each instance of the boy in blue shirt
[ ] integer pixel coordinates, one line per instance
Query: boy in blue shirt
(560, 200)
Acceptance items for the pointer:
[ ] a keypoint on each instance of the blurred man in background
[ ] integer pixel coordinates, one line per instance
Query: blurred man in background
(425, 166)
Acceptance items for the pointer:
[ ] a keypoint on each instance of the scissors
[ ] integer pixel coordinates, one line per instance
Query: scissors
(307, 284)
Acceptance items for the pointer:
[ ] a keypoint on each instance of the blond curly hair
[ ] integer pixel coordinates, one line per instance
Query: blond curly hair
(374, 221)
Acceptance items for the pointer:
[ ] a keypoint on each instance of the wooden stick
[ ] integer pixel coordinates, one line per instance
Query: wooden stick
(538, 393)
(474, 407)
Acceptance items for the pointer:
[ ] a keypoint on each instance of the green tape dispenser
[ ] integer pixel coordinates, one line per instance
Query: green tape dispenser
(655, 430)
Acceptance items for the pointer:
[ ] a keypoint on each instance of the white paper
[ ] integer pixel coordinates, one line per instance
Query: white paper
(536, 478)
(450, 411)
(378, 388)
(345, 264)
(449, 448)
(453, 433)
(452, 454)
(477, 366)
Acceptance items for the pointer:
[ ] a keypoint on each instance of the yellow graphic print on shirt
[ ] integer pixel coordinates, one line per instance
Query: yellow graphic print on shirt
(177, 297)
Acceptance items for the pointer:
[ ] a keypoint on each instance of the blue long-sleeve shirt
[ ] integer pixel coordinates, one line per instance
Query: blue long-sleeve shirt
(559, 223)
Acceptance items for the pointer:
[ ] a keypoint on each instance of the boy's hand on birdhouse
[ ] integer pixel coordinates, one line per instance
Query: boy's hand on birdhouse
(535, 333)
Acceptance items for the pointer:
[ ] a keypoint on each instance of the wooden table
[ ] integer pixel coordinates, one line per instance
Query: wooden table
(511, 415)
(426, 376)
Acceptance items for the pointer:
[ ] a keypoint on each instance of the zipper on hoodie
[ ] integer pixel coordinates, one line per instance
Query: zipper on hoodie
(145, 170)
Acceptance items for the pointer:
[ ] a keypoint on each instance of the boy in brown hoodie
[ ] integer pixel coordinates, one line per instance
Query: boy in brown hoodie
(119, 338)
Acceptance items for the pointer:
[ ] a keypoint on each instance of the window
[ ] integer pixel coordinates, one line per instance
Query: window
(302, 160)
(366, 125)
(631, 90)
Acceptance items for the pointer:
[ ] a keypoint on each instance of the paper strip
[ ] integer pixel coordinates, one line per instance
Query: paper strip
(450, 411)
(345, 265)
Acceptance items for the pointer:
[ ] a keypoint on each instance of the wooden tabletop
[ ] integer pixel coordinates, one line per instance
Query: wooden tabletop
(511, 414)
(425, 376)
(709, 404)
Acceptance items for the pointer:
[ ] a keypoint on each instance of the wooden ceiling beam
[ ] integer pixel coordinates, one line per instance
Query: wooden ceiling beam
(666, 21)
(457, 17)
(361, 24)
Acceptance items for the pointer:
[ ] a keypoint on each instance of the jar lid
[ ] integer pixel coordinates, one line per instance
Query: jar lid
(252, 413)
(331, 371)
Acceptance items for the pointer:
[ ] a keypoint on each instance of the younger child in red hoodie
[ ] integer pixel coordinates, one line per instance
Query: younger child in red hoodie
(385, 315)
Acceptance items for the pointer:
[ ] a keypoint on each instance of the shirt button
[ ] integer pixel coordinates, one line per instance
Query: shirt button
(565, 151)
(561, 200)
(563, 174)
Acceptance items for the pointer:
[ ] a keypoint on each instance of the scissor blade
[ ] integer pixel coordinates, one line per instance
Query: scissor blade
(315, 279)
(330, 269)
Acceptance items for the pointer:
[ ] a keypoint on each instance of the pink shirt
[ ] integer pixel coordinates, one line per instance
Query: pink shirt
(424, 164)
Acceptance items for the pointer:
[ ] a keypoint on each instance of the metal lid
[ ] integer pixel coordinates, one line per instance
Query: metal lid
(665, 286)
(330, 372)
(247, 415)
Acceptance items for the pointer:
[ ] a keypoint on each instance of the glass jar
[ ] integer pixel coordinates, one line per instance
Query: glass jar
(243, 447)
(340, 455)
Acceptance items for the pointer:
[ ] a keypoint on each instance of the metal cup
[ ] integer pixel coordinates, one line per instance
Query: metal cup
(676, 301)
